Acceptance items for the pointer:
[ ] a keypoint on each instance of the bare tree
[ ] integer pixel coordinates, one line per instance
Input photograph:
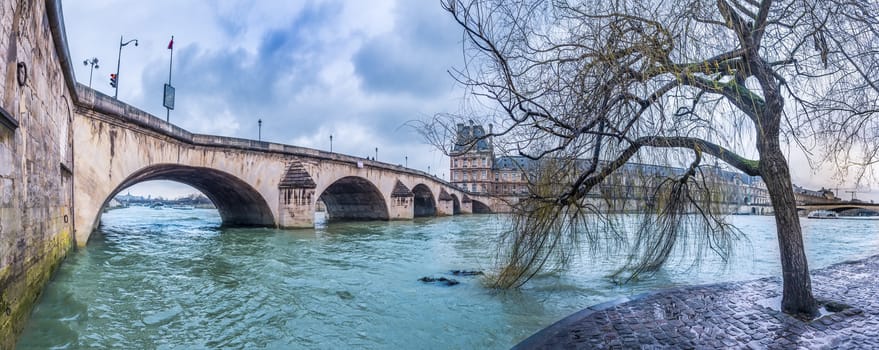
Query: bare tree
(608, 81)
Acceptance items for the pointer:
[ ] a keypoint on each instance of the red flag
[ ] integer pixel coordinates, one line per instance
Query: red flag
(171, 44)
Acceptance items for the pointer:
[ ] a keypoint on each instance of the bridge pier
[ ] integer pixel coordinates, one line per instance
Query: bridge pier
(402, 203)
(466, 205)
(296, 208)
(445, 206)
(297, 198)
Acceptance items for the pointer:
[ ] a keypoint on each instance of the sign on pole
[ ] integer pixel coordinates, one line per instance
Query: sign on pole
(169, 96)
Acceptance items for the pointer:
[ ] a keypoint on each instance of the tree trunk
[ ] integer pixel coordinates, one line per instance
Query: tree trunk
(797, 296)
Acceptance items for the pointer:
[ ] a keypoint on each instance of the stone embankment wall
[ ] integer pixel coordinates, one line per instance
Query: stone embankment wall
(35, 157)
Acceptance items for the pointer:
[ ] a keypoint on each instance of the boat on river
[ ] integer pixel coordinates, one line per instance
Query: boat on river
(823, 214)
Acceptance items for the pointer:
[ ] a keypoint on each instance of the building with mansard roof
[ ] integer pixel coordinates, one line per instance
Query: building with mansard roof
(474, 167)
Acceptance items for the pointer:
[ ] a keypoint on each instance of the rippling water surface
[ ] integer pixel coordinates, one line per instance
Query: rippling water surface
(175, 279)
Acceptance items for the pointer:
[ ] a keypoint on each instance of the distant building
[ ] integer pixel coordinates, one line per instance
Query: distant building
(475, 168)
(471, 165)
(804, 196)
(197, 200)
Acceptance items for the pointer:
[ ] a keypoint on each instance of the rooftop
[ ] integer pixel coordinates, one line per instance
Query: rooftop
(466, 135)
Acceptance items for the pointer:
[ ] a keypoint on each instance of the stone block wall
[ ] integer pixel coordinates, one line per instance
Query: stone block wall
(296, 207)
(35, 160)
(402, 208)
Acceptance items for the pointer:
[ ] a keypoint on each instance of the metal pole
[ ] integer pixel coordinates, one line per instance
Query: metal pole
(170, 64)
(331, 143)
(407, 160)
(118, 62)
(376, 154)
(93, 62)
(259, 122)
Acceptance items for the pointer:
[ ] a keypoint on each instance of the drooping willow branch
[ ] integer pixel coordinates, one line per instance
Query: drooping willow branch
(583, 88)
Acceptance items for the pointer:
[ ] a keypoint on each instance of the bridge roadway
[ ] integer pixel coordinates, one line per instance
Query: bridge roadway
(252, 183)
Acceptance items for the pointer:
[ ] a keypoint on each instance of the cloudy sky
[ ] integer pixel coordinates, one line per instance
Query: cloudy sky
(357, 70)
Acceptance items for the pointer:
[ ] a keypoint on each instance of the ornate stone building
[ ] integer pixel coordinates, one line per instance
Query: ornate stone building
(475, 168)
(471, 163)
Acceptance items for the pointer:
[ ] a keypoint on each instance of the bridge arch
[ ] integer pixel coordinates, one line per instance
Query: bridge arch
(841, 209)
(424, 202)
(238, 203)
(354, 198)
(480, 208)
(456, 205)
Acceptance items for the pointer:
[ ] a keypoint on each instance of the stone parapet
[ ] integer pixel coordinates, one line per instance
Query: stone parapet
(96, 101)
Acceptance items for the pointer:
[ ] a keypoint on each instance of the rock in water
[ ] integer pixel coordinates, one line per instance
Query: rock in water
(466, 272)
(441, 280)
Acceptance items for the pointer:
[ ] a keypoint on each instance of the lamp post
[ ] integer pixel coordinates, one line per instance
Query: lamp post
(94, 63)
(407, 160)
(331, 143)
(259, 132)
(119, 61)
(376, 154)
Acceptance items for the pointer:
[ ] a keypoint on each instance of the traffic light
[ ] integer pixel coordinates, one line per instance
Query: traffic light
(113, 79)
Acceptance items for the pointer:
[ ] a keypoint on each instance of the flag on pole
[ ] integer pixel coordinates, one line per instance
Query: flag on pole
(171, 44)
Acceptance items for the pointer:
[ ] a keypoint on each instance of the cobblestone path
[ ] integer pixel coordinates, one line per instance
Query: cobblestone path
(729, 315)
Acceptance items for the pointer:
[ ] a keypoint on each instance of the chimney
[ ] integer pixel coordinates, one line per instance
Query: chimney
(490, 137)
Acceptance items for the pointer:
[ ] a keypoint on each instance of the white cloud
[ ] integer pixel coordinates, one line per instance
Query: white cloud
(355, 69)
(292, 64)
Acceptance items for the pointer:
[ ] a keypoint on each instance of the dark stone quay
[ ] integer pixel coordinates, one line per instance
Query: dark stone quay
(740, 315)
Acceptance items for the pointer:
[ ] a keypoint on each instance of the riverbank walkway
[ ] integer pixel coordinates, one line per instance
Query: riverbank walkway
(740, 315)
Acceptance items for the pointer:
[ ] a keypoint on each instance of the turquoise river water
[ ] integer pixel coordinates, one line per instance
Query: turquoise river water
(174, 279)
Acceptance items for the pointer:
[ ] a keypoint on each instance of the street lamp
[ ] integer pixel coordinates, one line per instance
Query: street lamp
(259, 135)
(407, 160)
(94, 63)
(376, 154)
(118, 62)
(331, 143)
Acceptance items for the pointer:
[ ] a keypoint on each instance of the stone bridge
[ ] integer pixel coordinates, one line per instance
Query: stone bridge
(837, 206)
(252, 183)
